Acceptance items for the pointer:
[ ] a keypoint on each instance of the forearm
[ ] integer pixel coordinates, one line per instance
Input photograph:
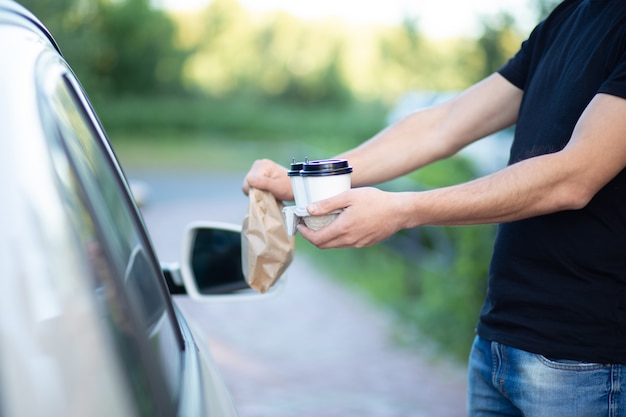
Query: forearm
(435, 133)
(397, 150)
(564, 180)
(537, 186)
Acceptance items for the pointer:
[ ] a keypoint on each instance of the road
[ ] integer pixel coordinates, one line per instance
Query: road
(315, 350)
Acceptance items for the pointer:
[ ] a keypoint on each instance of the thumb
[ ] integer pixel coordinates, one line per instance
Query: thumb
(328, 205)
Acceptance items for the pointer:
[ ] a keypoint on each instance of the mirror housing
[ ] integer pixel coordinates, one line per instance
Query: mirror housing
(210, 267)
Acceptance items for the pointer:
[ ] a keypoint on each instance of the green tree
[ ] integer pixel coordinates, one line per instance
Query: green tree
(278, 57)
(115, 47)
(498, 42)
(544, 7)
(304, 62)
(72, 24)
(137, 53)
(405, 53)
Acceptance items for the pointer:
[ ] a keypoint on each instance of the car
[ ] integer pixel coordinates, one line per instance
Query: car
(87, 322)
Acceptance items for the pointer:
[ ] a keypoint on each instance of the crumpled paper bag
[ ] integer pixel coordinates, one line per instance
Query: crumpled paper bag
(266, 249)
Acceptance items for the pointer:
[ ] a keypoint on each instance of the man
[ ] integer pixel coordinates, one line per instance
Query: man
(552, 333)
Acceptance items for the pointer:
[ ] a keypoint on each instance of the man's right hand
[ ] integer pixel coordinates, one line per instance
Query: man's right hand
(269, 176)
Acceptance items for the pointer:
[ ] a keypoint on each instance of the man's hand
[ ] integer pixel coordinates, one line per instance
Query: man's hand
(369, 215)
(269, 176)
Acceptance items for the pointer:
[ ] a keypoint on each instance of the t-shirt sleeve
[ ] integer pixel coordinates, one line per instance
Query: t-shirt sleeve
(516, 70)
(615, 84)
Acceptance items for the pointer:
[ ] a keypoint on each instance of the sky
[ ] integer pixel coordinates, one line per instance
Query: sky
(437, 18)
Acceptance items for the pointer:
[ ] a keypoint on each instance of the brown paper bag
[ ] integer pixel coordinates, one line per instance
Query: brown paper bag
(266, 249)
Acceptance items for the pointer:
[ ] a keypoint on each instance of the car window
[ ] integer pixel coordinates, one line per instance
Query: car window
(133, 287)
(109, 297)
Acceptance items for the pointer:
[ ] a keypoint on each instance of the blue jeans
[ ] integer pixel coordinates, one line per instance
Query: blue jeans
(504, 381)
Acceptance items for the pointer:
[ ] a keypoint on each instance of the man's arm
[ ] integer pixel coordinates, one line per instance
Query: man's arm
(419, 139)
(565, 180)
(436, 133)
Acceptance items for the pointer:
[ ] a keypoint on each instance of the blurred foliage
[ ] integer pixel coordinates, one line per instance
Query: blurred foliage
(126, 47)
(330, 128)
(276, 57)
(115, 47)
(544, 7)
(228, 134)
(279, 55)
(498, 40)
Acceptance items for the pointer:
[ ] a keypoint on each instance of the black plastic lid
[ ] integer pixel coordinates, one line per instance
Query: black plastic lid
(325, 167)
(295, 168)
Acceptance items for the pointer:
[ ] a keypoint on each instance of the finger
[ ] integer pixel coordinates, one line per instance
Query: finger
(250, 178)
(254, 180)
(316, 237)
(245, 186)
(330, 236)
(262, 175)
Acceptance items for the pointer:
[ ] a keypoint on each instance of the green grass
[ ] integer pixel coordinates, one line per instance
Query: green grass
(196, 152)
(229, 134)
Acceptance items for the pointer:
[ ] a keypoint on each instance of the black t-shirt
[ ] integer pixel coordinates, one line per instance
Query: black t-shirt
(557, 283)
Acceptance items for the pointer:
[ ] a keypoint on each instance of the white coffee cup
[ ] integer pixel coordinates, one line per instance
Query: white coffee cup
(297, 184)
(325, 178)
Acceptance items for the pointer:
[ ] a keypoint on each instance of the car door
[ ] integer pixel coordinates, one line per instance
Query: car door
(127, 274)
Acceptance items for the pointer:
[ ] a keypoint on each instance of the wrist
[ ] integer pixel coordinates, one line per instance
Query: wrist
(407, 210)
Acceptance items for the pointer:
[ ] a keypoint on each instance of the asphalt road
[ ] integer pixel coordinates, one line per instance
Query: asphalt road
(316, 349)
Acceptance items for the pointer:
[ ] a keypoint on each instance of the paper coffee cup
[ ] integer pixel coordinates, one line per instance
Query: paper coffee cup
(297, 184)
(325, 178)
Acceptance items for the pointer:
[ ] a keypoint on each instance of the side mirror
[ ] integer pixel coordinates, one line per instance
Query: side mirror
(210, 268)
